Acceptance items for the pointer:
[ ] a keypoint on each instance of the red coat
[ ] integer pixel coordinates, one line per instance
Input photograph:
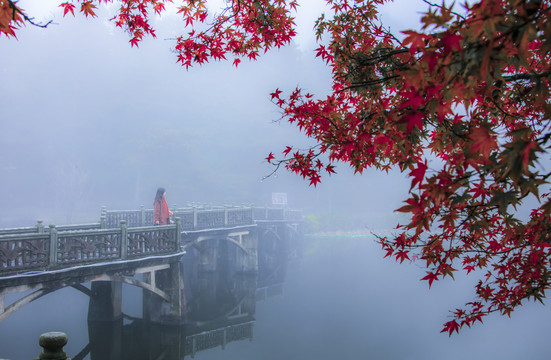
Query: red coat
(161, 215)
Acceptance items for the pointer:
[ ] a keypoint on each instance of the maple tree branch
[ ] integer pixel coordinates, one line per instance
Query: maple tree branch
(216, 26)
(278, 163)
(441, 6)
(368, 83)
(527, 76)
(30, 20)
(386, 31)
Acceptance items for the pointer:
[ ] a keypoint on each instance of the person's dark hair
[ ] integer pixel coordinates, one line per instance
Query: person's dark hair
(159, 195)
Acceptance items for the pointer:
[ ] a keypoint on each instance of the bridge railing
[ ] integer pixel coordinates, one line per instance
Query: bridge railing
(267, 213)
(59, 248)
(39, 228)
(199, 218)
(190, 218)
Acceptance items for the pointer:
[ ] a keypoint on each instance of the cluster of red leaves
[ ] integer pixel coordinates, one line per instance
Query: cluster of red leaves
(242, 29)
(469, 96)
(133, 15)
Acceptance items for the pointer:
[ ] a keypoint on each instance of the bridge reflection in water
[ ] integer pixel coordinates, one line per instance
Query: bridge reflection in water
(219, 309)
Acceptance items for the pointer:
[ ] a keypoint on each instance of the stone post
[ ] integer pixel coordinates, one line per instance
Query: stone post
(39, 226)
(225, 215)
(142, 218)
(53, 245)
(124, 240)
(178, 222)
(52, 344)
(250, 242)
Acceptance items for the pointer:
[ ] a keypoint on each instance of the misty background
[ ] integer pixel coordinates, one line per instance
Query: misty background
(87, 121)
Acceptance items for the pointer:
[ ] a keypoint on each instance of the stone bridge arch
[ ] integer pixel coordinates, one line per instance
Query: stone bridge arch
(214, 248)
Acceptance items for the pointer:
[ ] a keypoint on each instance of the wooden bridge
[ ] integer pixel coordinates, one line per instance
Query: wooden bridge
(123, 244)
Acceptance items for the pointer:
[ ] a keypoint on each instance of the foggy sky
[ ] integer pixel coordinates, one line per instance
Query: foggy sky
(87, 121)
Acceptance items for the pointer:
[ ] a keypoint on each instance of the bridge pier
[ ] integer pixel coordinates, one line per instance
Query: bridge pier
(208, 256)
(105, 301)
(155, 308)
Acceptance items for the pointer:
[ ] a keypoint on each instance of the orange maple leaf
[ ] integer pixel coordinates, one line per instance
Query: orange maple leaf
(484, 141)
(88, 8)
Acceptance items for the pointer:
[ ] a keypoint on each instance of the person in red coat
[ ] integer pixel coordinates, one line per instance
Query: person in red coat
(161, 214)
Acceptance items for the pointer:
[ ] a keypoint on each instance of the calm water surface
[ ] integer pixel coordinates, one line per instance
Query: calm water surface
(340, 300)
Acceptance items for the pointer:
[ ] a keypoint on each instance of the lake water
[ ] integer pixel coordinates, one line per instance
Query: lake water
(339, 300)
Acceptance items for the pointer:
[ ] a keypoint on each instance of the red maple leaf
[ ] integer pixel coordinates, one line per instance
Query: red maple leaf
(287, 150)
(314, 178)
(275, 94)
(430, 277)
(450, 327)
(452, 42)
(134, 41)
(413, 120)
(418, 174)
(270, 157)
(67, 7)
(417, 40)
(402, 255)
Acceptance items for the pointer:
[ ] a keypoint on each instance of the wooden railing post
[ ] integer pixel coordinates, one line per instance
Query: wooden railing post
(53, 245)
(39, 227)
(124, 239)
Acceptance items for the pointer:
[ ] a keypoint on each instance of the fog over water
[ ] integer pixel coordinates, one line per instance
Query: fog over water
(86, 121)
(340, 300)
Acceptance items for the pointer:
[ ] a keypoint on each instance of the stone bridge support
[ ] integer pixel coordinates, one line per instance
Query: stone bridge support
(163, 289)
(105, 301)
(274, 236)
(161, 310)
